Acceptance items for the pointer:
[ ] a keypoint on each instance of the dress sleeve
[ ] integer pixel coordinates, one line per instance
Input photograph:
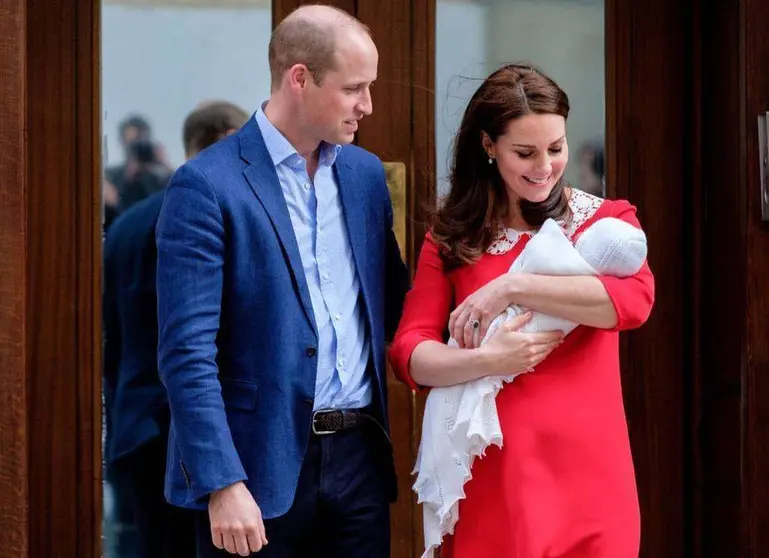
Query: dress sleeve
(632, 297)
(425, 312)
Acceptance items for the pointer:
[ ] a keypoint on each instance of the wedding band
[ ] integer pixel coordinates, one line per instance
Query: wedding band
(476, 324)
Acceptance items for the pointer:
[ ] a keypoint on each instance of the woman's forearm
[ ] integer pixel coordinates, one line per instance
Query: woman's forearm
(434, 364)
(580, 299)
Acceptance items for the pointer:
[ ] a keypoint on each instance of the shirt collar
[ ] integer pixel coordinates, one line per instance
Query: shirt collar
(280, 149)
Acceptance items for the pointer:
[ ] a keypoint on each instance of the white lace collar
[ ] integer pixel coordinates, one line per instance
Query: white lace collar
(583, 206)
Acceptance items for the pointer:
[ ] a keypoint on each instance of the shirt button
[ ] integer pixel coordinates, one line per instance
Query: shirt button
(337, 317)
(311, 351)
(325, 276)
(306, 185)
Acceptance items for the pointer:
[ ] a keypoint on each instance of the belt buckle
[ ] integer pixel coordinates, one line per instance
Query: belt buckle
(314, 422)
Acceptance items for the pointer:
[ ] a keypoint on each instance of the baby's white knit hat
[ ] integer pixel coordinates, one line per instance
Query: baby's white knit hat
(612, 245)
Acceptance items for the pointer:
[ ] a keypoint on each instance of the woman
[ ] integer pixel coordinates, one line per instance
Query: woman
(563, 485)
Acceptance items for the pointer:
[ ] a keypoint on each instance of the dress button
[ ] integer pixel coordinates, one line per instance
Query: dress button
(311, 351)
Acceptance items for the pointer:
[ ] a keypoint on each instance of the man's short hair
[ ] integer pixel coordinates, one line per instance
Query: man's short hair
(300, 40)
(134, 121)
(207, 124)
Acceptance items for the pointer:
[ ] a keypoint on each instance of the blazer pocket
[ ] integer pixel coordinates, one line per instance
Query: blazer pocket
(238, 394)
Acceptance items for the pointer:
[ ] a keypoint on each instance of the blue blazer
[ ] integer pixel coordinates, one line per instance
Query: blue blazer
(237, 336)
(136, 406)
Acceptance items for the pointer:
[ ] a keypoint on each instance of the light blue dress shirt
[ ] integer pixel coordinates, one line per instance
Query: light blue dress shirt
(321, 233)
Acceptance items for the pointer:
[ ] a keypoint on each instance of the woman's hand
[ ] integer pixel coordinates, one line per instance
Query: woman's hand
(478, 310)
(508, 351)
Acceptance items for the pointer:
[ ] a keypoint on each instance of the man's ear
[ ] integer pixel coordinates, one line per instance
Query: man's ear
(298, 77)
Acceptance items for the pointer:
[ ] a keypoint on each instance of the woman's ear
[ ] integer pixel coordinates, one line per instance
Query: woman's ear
(488, 145)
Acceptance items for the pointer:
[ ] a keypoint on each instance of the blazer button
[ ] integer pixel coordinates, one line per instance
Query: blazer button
(311, 351)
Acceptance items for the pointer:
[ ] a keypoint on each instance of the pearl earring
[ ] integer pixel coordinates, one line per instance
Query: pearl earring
(491, 160)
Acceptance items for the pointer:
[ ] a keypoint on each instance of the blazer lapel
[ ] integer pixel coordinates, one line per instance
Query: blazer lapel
(354, 204)
(263, 179)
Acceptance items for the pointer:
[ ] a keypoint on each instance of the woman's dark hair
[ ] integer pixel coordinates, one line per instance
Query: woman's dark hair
(465, 225)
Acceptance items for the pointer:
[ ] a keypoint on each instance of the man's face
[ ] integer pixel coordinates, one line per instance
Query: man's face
(331, 110)
(132, 134)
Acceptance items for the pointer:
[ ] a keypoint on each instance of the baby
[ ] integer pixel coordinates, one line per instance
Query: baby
(461, 421)
(608, 247)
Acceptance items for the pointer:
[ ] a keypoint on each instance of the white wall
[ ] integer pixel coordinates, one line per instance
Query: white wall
(160, 62)
(461, 63)
(565, 38)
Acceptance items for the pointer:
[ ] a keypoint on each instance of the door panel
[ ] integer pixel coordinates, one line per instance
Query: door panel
(643, 109)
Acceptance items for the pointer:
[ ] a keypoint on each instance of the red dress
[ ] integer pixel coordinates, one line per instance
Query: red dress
(563, 484)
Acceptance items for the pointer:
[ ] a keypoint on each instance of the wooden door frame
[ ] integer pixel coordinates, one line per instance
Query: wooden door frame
(732, 368)
(406, 80)
(648, 130)
(675, 132)
(14, 491)
(49, 362)
(50, 248)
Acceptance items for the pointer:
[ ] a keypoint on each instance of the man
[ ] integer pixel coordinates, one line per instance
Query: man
(279, 280)
(136, 404)
(143, 173)
(590, 159)
(132, 129)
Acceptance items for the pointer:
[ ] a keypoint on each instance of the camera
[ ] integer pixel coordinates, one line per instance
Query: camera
(143, 151)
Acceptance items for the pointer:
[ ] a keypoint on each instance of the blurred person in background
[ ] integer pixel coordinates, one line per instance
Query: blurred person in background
(136, 404)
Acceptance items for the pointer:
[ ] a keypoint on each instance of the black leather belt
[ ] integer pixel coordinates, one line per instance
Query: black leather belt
(331, 421)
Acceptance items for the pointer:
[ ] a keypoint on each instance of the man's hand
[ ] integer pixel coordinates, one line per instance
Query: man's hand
(236, 520)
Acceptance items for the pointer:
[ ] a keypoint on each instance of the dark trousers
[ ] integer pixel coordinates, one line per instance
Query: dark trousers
(158, 529)
(341, 508)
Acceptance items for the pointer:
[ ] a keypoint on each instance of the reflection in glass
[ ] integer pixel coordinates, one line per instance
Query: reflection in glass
(161, 60)
(565, 38)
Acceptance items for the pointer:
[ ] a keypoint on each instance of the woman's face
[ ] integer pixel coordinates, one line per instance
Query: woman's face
(531, 155)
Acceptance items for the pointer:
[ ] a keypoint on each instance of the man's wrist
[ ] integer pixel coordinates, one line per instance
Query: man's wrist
(227, 488)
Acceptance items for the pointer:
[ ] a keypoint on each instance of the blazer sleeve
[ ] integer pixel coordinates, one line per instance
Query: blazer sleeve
(191, 247)
(632, 297)
(425, 312)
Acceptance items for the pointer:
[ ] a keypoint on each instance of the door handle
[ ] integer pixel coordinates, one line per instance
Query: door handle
(395, 174)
